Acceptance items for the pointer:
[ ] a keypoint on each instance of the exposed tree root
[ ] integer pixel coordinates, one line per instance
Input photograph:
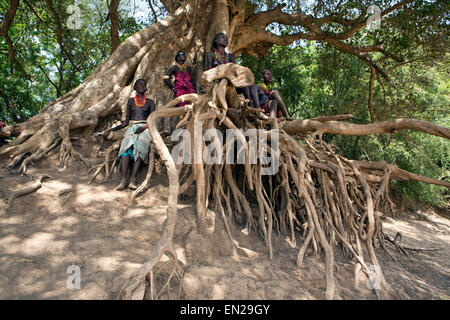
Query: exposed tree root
(134, 288)
(335, 201)
(35, 186)
(151, 166)
(106, 164)
(64, 191)
(396, 242)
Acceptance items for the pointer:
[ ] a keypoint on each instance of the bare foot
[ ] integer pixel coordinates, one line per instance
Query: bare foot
(132, 186)
(122, 185)
(261, 116)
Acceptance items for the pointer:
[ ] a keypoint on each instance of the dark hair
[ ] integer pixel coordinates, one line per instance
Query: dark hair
(137, 81)
(215, 38)
(178, 54)
(264, 71)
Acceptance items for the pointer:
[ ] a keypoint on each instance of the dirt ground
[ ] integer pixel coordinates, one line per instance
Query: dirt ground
(42, 234)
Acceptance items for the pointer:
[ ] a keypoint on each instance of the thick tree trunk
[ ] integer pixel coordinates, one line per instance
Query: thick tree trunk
(333, 199)
(146, 54)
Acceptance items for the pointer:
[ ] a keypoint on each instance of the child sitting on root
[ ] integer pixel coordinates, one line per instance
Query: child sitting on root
(219, 56)
(136, 141)
(270, 98)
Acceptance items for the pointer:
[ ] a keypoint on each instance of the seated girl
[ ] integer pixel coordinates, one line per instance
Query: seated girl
(220, 56)
(136, 142)
(270, 98)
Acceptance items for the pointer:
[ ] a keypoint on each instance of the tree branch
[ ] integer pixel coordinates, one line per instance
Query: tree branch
(171, 5)
(250, 33)
(37, 15)
(9, 16)
(49, 80)
(114, 17)
(59, 33)
(4, 28)
(369, 103)
(153, 10)
(353, 129)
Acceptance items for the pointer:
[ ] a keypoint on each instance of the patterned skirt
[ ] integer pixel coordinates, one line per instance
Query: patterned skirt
(139, 143)
(183, 85)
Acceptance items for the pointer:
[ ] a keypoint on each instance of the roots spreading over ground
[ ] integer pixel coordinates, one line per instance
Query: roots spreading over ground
(335, 203)
(332, 202)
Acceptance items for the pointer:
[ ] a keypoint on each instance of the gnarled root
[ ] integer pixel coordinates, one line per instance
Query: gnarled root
(82, 119)
(334, 201)
(67, 151)
(106, 164)
(37, 146)
(151, 166)
(135, 286)
(37, 185)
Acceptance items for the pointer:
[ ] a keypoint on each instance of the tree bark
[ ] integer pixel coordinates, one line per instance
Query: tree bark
(114, 17)
(370, 102)
(352, 129)
(328, 185)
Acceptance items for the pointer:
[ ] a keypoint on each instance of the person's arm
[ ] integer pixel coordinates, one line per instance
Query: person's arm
(260, 90)
(209, 59)
(191, 73)
(152, 106)
(167, 77)
(232, 58)
(123, 124)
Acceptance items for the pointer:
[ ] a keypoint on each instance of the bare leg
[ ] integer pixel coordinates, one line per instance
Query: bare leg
(173, 123)
(273, 109)
(280, 103)
(125, 164)
(254, 95)
(134, 172)
(246, 92)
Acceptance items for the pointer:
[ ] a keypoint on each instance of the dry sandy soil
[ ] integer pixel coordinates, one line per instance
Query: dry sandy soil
(42, 234)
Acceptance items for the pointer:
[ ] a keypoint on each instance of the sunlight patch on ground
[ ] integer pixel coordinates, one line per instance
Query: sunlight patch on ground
(108, 263)
(11, 220)
(40, 242)
(56, 185)
(10, 244)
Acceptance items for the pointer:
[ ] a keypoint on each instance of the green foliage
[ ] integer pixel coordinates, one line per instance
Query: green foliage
(54, 71)
(316, 80)
(313, 78)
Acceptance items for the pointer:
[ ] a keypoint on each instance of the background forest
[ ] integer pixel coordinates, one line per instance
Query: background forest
(42, 58)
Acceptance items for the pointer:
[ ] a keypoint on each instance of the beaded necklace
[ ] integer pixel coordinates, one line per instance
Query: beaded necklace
(219, 58)
(139, 104)
(267, 89)
(182, 67)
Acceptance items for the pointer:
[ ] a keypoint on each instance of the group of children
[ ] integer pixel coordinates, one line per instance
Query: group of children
(136, 142)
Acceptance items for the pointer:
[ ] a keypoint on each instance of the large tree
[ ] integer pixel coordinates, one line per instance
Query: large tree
(333, 199)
